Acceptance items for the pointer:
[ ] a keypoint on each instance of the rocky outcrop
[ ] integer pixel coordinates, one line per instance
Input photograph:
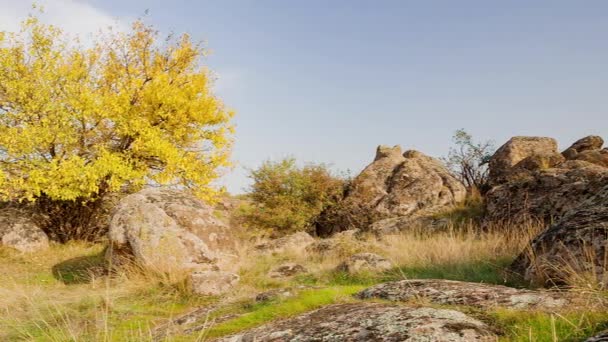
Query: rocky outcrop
(450, 292)
(545, 194)
(212, 283)
(295, 243)
(514, 151)
(577, 245)
(589, 143)
(543, 184)
(167, 230)
(395, 184)
(365, 262)
(371, 322)
(20, 232)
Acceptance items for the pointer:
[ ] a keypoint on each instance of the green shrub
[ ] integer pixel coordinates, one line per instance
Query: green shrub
(286, 198)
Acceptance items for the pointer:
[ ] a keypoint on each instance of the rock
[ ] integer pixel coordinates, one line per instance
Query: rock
(601, 337)
(166, 230)
(592, 142)
(514, 151)
(274, 294)
(163, 228)
(393, 185)
(449, 292)
(296, 243)
(577, 244)
(544, 194)
(20, 232)
(287, 270)
(371, 322)
(340, 243)
(396, 225)
(368, 262)
(539, 161)
(212, 283)
(597, 157)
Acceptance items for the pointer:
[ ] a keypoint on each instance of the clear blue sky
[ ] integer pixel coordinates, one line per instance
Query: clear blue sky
(328, 81)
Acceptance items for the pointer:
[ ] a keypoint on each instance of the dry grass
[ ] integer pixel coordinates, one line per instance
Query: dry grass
(61, 295)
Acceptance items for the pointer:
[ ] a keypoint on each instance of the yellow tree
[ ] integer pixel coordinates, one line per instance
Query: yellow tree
(78, 122)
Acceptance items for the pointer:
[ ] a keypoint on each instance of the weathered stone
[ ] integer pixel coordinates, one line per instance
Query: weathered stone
(274, 294)
(449, 292)
(394, 185)
(514, 151)
(371, 322)
(165, 229)
(539, 161)
(598, 157)
(396, 225)
(296, 243)
(576, 245)
(592, 142)
(287, 270)
(368, 262)
(212, 283)
(19, 232)
(544, 194)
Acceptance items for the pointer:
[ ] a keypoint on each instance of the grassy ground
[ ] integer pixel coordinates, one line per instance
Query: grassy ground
(61, 295)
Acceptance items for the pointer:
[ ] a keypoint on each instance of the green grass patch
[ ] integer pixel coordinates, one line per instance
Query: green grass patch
(261, 313)
(520, 326)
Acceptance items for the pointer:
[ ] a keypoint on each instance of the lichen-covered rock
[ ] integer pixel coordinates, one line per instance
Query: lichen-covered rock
(362, 322)
(295, 243)
(449, 292)
(20, 232)
(287, 270)
(576, 245)
(598, 157)
(545, 194)
(589, 143)
(365, 262)
(169, 229)
(396, 225)
(514, 151)
(393, 185)
(212, 283)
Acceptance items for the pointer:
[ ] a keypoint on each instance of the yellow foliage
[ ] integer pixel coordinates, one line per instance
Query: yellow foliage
(131, 109)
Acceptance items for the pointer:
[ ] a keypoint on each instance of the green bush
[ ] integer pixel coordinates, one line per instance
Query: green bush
(286, 198)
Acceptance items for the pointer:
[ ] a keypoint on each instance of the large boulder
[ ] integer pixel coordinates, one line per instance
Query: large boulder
(395, 184)
(18, 231)
(485, 296)
(531, 180)
(167, 230)
(544, 194)
(514, 151)
(574, 248)
(371, 322)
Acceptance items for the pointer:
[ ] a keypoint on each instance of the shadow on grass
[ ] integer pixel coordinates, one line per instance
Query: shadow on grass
(80, 270)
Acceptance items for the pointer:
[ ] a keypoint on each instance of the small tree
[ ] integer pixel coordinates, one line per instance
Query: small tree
(468, 160)
(78, 123)
(287, 198)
